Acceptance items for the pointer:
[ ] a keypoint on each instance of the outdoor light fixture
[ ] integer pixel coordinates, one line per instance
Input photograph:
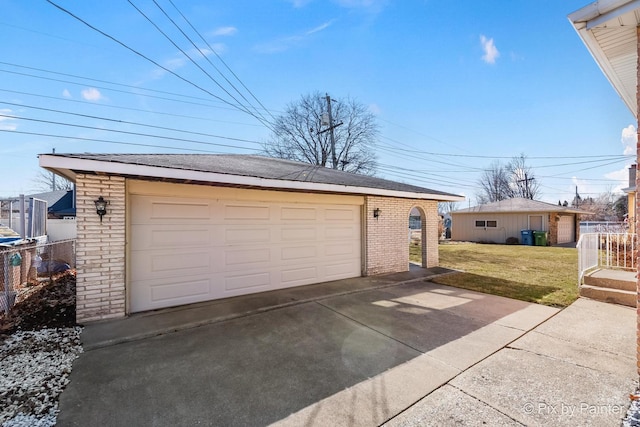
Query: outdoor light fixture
(376, 212)
(101, 207)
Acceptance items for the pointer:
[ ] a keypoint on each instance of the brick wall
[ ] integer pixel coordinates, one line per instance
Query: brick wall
(100, 249)
(637, 219)
(387, 237)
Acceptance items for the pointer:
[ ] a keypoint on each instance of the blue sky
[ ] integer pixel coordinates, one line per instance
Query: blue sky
(454, 85)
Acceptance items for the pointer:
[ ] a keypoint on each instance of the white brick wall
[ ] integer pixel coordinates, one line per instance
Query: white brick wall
(387, 237)
(101, 263)
(100, 247)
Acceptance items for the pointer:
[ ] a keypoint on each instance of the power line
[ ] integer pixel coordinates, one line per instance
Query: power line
(135, 144)
(220, 59)
(192, 141)
(238, 104)
(206, 57)
(125, 122)
(141, 54)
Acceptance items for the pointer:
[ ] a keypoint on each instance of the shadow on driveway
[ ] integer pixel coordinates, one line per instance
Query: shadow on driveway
(262, 367)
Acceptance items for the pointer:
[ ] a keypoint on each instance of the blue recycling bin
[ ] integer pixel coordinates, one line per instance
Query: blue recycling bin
(527, 237)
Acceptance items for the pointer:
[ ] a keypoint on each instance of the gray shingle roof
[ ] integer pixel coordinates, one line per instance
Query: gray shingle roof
(255, 166)
(518, 205)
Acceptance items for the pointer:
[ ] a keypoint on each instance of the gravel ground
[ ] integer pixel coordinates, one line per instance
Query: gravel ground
(35, 366)
(39, 341)
(633, 414)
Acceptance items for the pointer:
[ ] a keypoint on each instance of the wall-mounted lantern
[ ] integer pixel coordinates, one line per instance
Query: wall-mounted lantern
(101, 207)
(376, 213)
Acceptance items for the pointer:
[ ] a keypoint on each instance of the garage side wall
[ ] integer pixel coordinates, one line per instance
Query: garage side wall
(100, 249)
(387, 237)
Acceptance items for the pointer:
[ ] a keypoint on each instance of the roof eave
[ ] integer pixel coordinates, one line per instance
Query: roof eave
(598, 13)
(66, 166)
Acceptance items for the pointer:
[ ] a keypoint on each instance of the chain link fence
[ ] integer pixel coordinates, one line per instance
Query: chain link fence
(26, 265)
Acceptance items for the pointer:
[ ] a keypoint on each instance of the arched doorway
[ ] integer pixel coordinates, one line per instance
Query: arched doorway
(417, 238)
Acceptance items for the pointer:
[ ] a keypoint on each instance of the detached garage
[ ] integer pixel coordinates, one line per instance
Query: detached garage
(498, 221)
(180, 229)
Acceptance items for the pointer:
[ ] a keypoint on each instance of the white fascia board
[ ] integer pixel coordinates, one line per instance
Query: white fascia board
(127, 169)
(584, 20)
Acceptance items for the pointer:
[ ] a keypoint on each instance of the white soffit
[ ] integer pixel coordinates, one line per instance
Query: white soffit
(66, 165)
(608, 29)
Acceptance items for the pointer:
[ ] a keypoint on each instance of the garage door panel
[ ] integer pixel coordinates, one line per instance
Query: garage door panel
(298, 234)
(183, 210)
(242, 247)
(566, 231)
(245, 235)
(298, 253)
(341, 232)
(164, 209)
(341, 270)
(247, 256)
(248, 281)
(247, 212)
(347, 215)
(159, 264)
(299, 276)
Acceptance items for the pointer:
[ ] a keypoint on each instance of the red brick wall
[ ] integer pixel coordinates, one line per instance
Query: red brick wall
(637, 219)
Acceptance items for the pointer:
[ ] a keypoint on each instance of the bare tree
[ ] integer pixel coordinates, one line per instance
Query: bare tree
(501, 182)
(301, 134)
(494, 184)
(48, 181)
(523, 182)
(447, 207)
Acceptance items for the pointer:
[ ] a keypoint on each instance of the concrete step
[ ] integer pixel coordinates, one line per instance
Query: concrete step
(610, 295)
(612, 279)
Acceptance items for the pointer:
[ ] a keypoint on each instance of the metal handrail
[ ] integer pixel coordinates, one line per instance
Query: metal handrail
(606, 250)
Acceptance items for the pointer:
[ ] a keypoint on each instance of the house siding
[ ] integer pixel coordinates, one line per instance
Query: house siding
(100, 249)
(509, 225)
(387, 237)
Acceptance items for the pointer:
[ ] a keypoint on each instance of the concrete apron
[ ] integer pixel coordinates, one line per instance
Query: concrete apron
(354, 352)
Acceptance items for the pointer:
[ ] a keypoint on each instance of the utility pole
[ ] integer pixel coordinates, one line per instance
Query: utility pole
(53, 176)
(526, 185)
(334, 159)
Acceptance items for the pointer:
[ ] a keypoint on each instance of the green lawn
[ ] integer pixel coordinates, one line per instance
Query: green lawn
(540, 274)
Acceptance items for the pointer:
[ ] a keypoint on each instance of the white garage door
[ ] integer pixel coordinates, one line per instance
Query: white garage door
(229, 242)
(566, 230)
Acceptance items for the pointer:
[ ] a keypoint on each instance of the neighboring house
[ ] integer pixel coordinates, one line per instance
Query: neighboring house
(496, 222)
(60, 203)
(631, 199)
(610, 30)
(180, 229)
(61, 214)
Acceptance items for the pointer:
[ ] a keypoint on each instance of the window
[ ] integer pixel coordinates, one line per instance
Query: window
(486, 223)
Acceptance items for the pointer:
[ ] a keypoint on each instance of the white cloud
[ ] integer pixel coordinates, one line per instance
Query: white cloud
(66, 93)
(375, 109)
(299, 3)
(224, 31)
(91, 94)
(629, 139)
(319, 28)
(622, 176)
(371, 5)
(285, 43)
(7, 123)
(491, 52)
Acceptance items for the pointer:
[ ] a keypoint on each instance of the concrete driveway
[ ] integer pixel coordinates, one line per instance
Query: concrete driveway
(355, 352)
